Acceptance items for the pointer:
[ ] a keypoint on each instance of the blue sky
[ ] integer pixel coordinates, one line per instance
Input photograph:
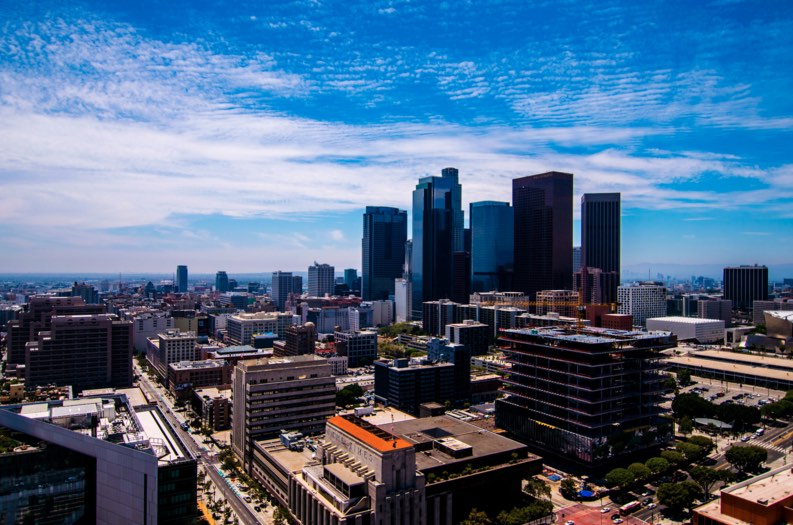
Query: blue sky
(249, 136)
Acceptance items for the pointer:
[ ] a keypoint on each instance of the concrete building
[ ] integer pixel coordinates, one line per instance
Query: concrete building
(96, 460)
(213, 406)
(562, 302)
(437, 314)
(406, 386)
(360, 348)
(713, 308)
(642, 301)
(472, 334)
(241, 328)
(766, 371)
(321, 280)
(617, 321)
(779, 325)
(745, 284)
(760, 307)
(576, 394)
(146, 325)
(282, 286)
(382, 312)
(703, 331)
(295, 393)
(403, 296)
(169, 347)
(194, 374)
(299, 340)
(84, 351)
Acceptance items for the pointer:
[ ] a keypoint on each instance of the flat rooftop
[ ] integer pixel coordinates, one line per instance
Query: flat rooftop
(373, 436)
(589, 335)
(772, 486)
(159, 432)
(198, 365)
(744, 369)
(685, 320)
(763, 360)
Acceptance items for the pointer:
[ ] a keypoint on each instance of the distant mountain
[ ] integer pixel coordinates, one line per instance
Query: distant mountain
(776, 272)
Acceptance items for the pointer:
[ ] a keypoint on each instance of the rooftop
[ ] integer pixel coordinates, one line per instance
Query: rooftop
(197, 365)
(780, 314)
(686, 320)
(369, 434)
(589, 335)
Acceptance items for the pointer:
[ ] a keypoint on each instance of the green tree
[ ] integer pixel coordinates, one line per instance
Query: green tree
(690, 451)
(746, 458)
(778, 410)
(657, 465)
(707, 477)
(568, 488)
(620, 478)
(741, 416)
(476, 517)
(674, 457)
(678, 496)
(520, 515)
(669, 383)
(693, 406)
(640, 472)
(280, 516)
(537, 489)
(706, 443)
(347, 395)
(684, 377)
(686, 426)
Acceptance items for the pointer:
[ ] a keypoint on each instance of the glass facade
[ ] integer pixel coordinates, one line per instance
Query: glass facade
(385, 231)
(492, 226)
(600, 239)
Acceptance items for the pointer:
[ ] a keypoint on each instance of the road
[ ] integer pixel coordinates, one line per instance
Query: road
(204, 458)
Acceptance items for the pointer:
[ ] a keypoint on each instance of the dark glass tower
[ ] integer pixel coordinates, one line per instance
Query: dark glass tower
(437, 235)
(745, 284)
(385, 231)
(181, 278)
(221, 281)
(543, 232)
(492, 238)
(600, 239)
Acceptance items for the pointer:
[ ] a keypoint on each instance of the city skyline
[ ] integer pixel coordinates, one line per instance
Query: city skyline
(252, 139)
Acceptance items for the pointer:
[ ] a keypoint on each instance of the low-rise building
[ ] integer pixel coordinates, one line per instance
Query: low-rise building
(169, 347)
(196, 374)
(704, 331)
(360, 348)
(213, 406)
(406, 386)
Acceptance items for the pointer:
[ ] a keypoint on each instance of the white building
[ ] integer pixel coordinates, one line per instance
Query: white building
(403, 292)
(382, 312)
(642, 301)
(321, 280)
(703, 331)
(146, 324)
(242, 327)
(169, 347)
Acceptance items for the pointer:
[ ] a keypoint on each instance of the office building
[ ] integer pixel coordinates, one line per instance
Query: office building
(37, 317)
(213, 406)
(600, 239)
(181, 278)
(587, 395)
(406, 386)
(617, 321)
(169, 347)
(146, 324)
(461, 276)
(437, 235)
(576, 258)
(745, 284)
(295, 393)
(403, 297)
(442, 351)
(241, 328)
(472, 334)
(95, 460)
(282, 286)
(543, 232)
(360, 348)
(714, 308)
(642, 301)
(562, 302)
(321, 280)
(351, 278)
(382, 312)
(184, 376)
(383, 250)
(84, 351)
(221, 282)
(298, 340)
(703, 331)
(492, 238)
(760, 307)
(437, 314)
(88, 293)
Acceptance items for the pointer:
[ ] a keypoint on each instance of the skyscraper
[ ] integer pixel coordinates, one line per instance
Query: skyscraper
(321, 280)
(745, 284)
(281, 288)
(350, 277)
(492, 238)
(543, 232)
(181, 278)
(600, 239)
(221, 282)
(437, 234)
(385, 231)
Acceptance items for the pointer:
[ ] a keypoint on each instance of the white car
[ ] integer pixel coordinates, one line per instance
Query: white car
(618, 521)
(651, 506)
(605, 510)
(569, 522)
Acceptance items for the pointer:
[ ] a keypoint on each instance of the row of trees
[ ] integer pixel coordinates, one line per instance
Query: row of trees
(693, 406)
(539, 507)
(780, 409)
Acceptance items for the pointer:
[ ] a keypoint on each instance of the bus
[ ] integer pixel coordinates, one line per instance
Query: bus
(630, 507)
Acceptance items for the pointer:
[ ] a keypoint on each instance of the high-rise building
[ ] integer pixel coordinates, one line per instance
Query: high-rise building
(296, 393)
(403, 295)
(492, 241)
(600, 239)
(543, 232)
(608, 407)
(745, 284)
(170, 346)
(221, 282)
(350, 277)
(437, 235)
(282, 286)
(715, 308)
(383, 248)
(84, 351)
(360, 348)
(643, 301)
(576, 258)
(299, 340)
(407, 386)
(181, 278)
(86, 291)
(321, 280)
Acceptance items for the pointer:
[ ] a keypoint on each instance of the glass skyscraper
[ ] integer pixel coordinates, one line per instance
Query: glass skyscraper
(181, 278)
(385, 231)
(543, 232)
(600, 240)
(437, 235)
(492, 226)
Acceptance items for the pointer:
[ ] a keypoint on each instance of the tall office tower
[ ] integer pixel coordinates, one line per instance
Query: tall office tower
(321, 280)
(576, 258)
(181, 278)
(86, 291)
(84, 351)
(297, 284)
(643, 301)
(221, 282)
(385, 231)
(600, 239)
(543, 232)
(38, 317)
(350, 277)
(295, 393)
(492, 238)
(610, 406)
(281, 288)
(461, 277)
(437, 234)
(403, 296)
(744, 284)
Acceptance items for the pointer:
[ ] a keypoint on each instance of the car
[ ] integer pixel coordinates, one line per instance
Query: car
(257, 508)
(719, 394)
(615, 516)
(569, 522)
(605, 510)
(618, 521)
(760, 431)
(746, 438)
(647, 501)
(247, 499)
(651, 506)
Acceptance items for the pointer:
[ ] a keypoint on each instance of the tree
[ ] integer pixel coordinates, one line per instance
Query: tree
(684, 377)
(741, 416)
(476, 517)
(690, 451)
(673, 457)
(678, 496)
(521, 515)
(620, 478)
(669, 383)
(640, 472)
(706, 443)
(280, 516)
(693, 406)
(657, 465)
(568, 488)
(777, 410)
(686, 426)
(537, 489)
(707, 477)
(348, 394)
(746, 458)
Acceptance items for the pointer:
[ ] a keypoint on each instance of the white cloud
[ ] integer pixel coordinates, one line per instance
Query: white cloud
(337, 235)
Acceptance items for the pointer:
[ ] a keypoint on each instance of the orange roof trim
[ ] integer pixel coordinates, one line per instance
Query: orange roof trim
(376, 442)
